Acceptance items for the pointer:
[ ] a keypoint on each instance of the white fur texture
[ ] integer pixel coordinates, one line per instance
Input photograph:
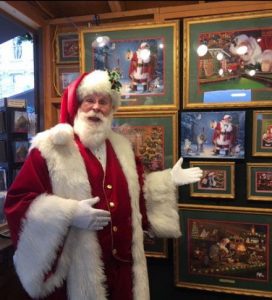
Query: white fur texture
(80, 261)
(161, 205)
(98, 82)
(43, 232)
(126, 157)
(61, 134)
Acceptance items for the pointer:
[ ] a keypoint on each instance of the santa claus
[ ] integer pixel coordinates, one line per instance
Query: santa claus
(252, 52)
(142, 68)
(224, 136)
(81, 202)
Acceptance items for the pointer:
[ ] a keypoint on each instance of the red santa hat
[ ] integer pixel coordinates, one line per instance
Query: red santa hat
(88, 83)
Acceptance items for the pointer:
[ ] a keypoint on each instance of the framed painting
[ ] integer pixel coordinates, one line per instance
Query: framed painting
(259, 181)
(213, 134)
(20, 121)
(217, 181)
(262, 133)
(67, 48)
(64, 76)
(146, 55)
(154, 139)
(228, 61)
(20, 150)
(155, 247)
(224, 249)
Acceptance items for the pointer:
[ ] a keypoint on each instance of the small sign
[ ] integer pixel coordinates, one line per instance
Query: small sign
(18, 103)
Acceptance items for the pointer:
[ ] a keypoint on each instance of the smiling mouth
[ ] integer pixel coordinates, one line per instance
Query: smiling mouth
(94, 119)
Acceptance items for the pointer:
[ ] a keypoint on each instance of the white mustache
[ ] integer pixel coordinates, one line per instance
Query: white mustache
(93, 114)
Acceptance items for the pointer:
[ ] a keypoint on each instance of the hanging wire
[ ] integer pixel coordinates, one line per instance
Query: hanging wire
(54, 50)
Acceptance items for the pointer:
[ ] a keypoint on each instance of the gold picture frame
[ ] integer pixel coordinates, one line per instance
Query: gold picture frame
(148, 82)
(259, 181)
(262, 133)
(65, 74)
(242, 266)
(154, 139)
(215, 75)
(218, 180)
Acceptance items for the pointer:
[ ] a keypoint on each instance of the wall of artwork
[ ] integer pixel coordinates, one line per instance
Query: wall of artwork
(203, 93)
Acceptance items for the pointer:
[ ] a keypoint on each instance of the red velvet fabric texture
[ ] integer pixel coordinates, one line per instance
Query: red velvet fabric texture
(34, 180)
(69, 102)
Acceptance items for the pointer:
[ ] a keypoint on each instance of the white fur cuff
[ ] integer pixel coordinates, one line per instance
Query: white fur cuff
(162, 211)
(43, 232)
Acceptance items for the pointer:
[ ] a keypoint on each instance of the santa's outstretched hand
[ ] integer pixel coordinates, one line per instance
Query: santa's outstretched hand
(182, 176)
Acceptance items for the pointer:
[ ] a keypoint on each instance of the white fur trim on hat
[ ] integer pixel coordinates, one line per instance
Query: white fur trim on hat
(98, 81)
(227, 117)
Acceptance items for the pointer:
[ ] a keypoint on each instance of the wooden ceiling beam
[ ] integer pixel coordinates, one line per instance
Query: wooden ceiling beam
(46, 9)
(106, 16)
(23, 12)
(116, 6)
(210, 8)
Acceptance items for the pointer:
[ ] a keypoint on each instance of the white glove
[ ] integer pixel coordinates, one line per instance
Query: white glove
(184, 176)
(87, 217)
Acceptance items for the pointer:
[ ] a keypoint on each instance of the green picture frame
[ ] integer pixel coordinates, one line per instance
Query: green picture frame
(218, 180)
(67, 48)
(148, 83)
(65, 74)
(154, 138)
(219, 77)
(262, 133)
(224, 249)
(259, 181)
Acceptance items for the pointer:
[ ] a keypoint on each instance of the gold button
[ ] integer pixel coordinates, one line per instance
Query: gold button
(114, 228)
(109, 186)
(112, 204)
(114, 251)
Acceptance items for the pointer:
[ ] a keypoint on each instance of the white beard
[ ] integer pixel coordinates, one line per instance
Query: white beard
(92, 134)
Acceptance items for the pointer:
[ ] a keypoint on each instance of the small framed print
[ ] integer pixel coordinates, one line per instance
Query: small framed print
(224, 249)
(67, 48)
(217, 180)
(20, 122)
(155, 247)
(259, 181)
(262, 133)
(219, 134)
(20, 151)
(64, 76)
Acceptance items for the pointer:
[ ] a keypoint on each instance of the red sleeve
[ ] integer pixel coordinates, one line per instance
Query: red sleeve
(140, 171)
(32, 180)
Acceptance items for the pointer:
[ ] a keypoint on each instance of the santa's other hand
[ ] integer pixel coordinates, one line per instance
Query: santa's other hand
(182, 176)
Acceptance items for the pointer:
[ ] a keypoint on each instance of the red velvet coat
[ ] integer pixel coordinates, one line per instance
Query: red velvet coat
(41, 202)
